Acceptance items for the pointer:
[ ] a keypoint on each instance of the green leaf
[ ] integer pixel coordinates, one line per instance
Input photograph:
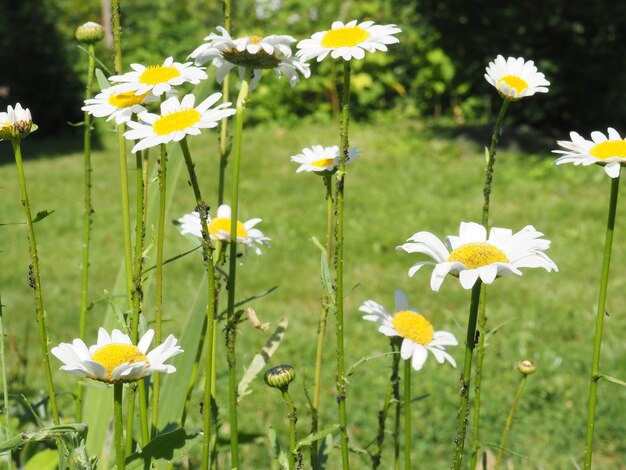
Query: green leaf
(102, 80)
(119, 314)
(42, 215)
(311, 438)
(325, 272)
(169, 446)
(323, 452)
(613, 380)
(260, 360)
(367, 359)
(47, 459)
(280, 454)
(43, 434)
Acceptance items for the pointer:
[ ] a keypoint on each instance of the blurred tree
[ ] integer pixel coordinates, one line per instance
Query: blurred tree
(35, 64)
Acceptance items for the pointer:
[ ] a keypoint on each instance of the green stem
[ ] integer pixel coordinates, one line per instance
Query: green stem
(223, 140)
(482, 311)
(341, 173)
(597, 343)
(158, 310)
(118, 390)
(478, 375)
(87, 215)
(5, 390)
(396, 421)
(117, 69)
(495, 138)
(295, 458)
(35, 280)
(321, 326)
(232, 271)
(509, 422)
(376, 455)
(470, 344)
(207, 252)
(407, 414)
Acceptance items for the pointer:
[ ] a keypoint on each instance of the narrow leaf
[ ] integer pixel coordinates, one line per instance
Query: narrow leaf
(613, 380)
(102, 80)
(42, 215)
(260, 360)
(323, 453)
(280, 455)
(168, 446)
(367, 359)
(311, 438)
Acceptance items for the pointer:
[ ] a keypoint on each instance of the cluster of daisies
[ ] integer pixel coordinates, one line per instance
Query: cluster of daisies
(470, 256)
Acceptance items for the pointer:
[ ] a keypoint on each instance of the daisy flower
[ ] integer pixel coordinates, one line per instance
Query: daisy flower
(177, 120)
(114, 358)
(320, 159)
(251, 52)
(472, 255)
(418, 335)
(609, 152)
(116, 104)
(159, 79)
(514, 78)
(219, 229)
(16, 123)
(348, 41)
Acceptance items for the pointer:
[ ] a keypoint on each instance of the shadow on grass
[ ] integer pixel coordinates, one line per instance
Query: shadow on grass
(36, 147)
(521, 138)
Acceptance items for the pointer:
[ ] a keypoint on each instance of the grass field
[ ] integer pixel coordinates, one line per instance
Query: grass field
(411, 177)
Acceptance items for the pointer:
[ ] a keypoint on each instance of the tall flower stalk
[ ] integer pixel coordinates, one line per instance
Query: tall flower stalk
(88, 33)
(470, 344)
(17, 124)
(321, 326)
(597, 342)
(120, 456)
(207, 251)
(482, 316)
(223, 139)
(339, 250)
(231, 328)
(407, 415)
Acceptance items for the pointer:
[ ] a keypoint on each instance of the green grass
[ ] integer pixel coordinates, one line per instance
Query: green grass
(410, 177)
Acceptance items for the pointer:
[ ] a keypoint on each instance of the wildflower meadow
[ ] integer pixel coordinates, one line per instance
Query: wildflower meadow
(189, 282)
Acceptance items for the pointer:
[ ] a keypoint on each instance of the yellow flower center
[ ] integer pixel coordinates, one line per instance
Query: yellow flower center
(221, 224)
(156, 74)
(610, 148)
(475, 255)
(413, 326)
(126, 100)
(345, 37)
(324, 162)
(113, 355)
(514, 82)
(176, 121)
(255, 40)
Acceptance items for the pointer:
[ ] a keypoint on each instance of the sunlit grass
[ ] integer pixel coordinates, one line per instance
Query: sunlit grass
(410, 177)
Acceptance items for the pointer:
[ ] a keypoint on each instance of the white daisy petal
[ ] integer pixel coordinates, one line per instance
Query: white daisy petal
(349, 41)
(114, 358)
(608, 151)
(515, 78)
(473, 255)
(322, 160)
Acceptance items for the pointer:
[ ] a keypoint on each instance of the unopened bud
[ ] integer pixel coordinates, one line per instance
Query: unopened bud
(89, 33)
(526, 367)
(280, 376)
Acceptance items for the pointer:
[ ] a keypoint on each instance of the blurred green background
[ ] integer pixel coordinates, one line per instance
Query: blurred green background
(444, 47)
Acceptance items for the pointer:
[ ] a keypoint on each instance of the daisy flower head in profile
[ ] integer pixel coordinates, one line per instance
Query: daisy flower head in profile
(177, 120)
(160, 78)
(472, 255)
(219, 229)
(113, 103)
(114, 358)
(16, 123)
(608, 151)
(254, 53)
(322, 160)
(417, 333)
(348, 41)
(515, 78)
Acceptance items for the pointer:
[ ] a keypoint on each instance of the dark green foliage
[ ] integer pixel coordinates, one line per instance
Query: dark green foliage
(579, 45)
(35, 65)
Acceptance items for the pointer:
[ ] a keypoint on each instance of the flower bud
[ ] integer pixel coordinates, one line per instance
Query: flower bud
(526, 367)
(89, 33)
(280, 376)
